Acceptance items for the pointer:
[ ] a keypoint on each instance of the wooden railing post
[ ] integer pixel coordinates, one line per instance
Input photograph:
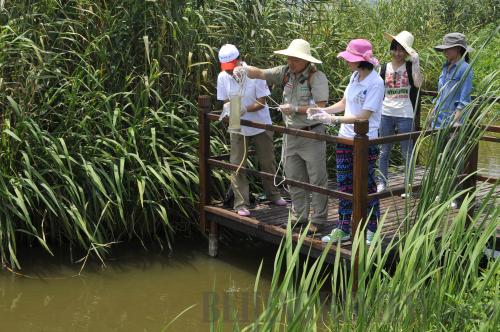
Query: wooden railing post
(359, 185)
(204, 106)
(360, 175)
(471, 170)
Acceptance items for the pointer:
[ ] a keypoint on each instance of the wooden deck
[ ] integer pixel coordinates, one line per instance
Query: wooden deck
(265, 218)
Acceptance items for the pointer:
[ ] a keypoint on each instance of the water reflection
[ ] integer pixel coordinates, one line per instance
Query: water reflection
(137, 291)
(489, 159)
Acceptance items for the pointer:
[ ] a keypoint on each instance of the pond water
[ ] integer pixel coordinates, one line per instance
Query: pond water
(489, 158)
(136, 291)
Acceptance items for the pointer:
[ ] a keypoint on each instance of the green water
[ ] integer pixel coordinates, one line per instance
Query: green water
(136, 291)
(489, 158)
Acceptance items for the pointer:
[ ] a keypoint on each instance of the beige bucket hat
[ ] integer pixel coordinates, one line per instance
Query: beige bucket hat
(404, 38)
(299, 48)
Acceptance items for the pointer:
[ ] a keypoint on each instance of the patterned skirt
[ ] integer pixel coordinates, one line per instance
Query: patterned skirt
(344, 160)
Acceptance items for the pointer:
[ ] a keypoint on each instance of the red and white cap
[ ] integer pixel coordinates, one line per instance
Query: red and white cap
(228, 57)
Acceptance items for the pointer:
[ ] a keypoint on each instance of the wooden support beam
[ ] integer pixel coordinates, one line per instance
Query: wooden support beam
(270, 176)
(470, 182)
(359, 186)
(289, 131)
(204, 105)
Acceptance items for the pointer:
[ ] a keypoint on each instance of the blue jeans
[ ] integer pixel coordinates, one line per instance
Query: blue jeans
(388, 126)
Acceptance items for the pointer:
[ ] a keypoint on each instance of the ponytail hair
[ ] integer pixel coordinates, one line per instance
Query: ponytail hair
(462, 52)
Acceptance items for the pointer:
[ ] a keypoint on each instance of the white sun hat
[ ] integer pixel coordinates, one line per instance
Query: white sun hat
(404, 38)
(299, 48)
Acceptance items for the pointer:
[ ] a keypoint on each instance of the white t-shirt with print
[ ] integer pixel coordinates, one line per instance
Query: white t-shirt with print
(252, 90)
(397, 100)
(365, 95)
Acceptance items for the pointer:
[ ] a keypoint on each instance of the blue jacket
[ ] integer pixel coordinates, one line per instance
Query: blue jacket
(454, 89)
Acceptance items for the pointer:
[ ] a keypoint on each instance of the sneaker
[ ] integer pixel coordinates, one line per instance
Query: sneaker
(280, 202)
(336, 235)
(243, 212)
(369, 236)
(381, 187)
(407, 195)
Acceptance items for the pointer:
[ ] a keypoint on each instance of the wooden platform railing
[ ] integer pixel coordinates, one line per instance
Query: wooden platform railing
(360, 143)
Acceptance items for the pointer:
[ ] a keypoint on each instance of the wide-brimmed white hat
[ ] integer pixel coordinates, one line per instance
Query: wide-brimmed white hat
(299, 48)
(404, 38)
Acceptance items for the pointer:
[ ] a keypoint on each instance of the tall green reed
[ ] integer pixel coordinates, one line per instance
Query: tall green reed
(99, 129)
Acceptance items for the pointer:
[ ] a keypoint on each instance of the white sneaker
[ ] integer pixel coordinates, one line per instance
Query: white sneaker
(381, 187)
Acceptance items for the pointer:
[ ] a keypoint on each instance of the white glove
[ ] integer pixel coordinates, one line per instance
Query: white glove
(240, 72)
(322, 116)
(225, 110)
(243, 110)
(288, 109)
(313, 110)
(415, 61)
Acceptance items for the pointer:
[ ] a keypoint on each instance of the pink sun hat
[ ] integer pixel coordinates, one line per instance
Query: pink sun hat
(358, 50)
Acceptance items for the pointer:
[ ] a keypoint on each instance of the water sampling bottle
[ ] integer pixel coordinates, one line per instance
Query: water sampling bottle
(234, 114)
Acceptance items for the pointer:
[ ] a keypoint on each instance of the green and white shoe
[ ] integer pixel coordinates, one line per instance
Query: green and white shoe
(336, 235)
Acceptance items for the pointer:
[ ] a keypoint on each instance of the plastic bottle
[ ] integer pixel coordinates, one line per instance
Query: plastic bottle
(234, 114)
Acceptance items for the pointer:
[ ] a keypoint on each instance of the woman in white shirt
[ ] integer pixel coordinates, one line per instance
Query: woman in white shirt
(254, 108)
(402, 80)
(362, 101)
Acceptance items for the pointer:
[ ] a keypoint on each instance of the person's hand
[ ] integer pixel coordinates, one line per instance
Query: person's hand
(415, 60)
(225, 110)
(313, 110)
(288, 109)
(240, 72)
(322, 117)
(243, 110)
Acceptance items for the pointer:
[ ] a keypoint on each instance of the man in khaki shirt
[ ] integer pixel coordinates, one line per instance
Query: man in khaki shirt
(305, 159)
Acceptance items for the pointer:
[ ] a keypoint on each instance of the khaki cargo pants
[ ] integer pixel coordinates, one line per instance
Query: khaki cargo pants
(263, 144)
(306, 162)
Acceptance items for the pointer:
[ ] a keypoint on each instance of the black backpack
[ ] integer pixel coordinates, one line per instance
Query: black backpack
(413, 89)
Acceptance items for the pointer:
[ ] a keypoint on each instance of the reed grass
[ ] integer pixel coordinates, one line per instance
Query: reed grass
(99, 124)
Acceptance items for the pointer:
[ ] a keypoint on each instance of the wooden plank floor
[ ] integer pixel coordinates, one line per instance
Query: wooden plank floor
(265, 218)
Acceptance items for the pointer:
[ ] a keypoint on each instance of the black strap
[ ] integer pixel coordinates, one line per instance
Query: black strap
(383, 70)
(286, 78)
(410, 72)
(413, 88)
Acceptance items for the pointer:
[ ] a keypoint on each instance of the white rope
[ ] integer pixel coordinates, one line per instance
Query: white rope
(282, 161)
(240, 77)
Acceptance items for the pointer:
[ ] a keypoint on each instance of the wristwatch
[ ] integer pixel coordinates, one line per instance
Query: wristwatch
(336, 120)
